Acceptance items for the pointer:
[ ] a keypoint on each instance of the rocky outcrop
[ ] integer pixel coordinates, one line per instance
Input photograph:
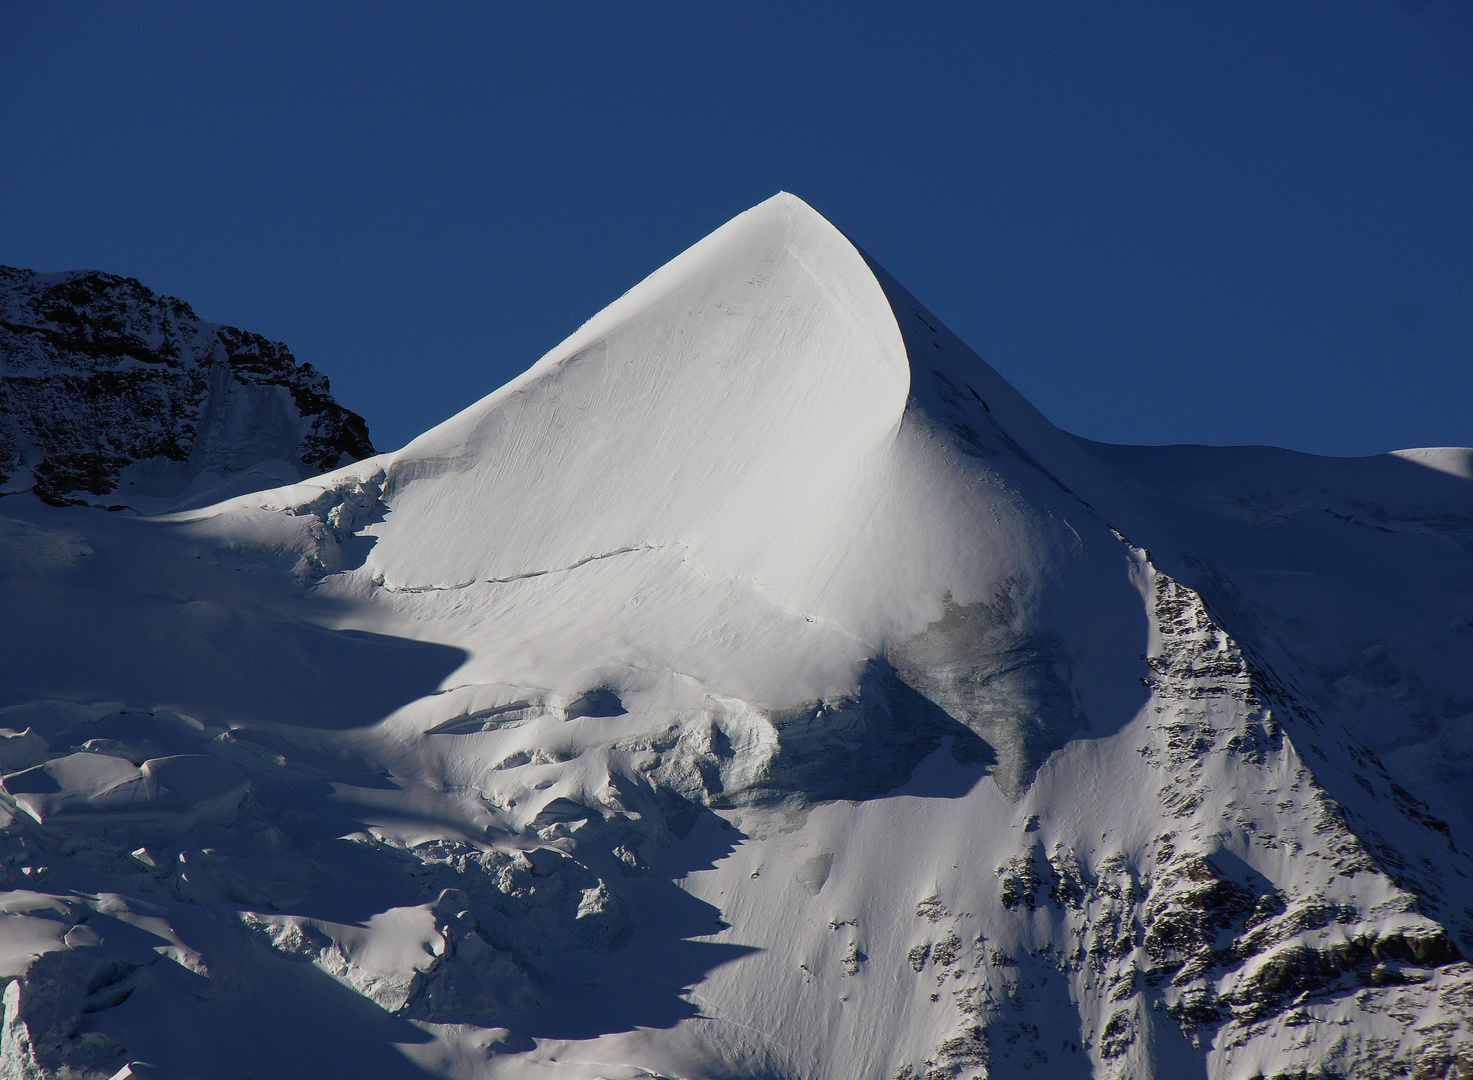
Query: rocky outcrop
(1186, 945)
(111, 394)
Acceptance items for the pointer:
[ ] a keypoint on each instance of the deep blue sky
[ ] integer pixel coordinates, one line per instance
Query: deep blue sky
(1164, 222)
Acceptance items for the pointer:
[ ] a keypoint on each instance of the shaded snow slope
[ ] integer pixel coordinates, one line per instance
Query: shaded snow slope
(756, 687)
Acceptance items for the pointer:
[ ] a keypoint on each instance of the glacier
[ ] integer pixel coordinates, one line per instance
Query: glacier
(757, 687)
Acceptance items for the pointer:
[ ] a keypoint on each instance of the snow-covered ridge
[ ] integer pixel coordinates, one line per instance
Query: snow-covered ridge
(113, 395)
(756, 687)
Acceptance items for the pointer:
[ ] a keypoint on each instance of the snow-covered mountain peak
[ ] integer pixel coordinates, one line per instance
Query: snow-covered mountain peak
(747, 439)
(732, 401)
(757, 687)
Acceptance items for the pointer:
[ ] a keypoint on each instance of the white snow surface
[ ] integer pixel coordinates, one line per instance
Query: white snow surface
(757, 687)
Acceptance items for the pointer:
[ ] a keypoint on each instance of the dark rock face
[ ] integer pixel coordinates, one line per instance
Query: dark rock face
(108, 391)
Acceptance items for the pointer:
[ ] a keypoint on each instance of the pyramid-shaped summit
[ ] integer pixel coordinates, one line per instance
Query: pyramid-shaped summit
(759, 686)
(726, 401)
(746, 419)
(742, 447)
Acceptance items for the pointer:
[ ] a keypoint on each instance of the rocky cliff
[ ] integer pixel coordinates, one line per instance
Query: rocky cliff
(113, 395)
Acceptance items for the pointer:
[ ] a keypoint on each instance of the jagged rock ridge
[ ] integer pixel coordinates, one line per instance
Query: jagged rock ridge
(112, 394)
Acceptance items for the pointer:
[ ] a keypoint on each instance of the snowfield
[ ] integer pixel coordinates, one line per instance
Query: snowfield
(757, 687)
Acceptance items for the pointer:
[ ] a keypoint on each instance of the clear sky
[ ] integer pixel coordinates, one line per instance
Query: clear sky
(1164, 222)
